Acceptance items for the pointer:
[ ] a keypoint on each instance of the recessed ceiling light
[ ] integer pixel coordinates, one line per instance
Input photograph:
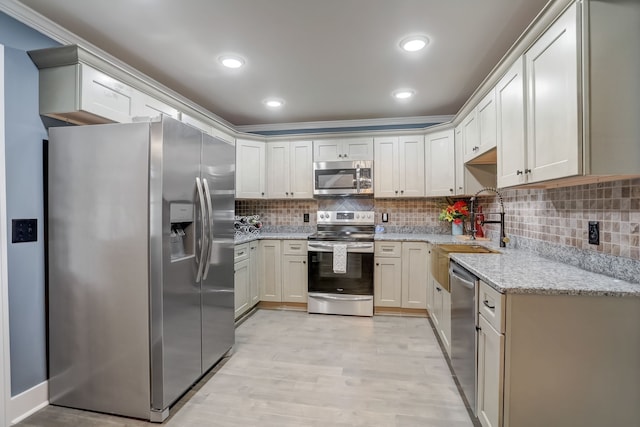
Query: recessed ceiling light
(414, 43)
(403, 94)
(273, 102)
(231, 61)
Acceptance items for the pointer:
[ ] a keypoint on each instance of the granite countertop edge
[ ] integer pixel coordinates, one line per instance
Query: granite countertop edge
(512, 271)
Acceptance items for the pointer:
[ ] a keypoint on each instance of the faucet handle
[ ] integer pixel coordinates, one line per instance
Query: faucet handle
(505, 239)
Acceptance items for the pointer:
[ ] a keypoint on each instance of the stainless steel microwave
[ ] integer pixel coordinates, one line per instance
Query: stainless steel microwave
(343, 178)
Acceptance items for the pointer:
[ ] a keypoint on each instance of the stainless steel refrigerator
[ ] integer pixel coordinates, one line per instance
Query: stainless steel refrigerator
(140, 260)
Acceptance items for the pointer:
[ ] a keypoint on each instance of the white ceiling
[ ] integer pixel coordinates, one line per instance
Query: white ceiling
(328, 59)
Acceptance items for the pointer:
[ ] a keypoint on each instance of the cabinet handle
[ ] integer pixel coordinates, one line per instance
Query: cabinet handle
(451, 190)
(459, 188)
(527, 171)
(490, 307)
(478, 328)
(340, 155)
(377, 263)
(476, 148)
(401, 191)
(262, 193)
(286, 193)
(304, 262)
(344, 155)
(438, 289)
(519, 172)
(396, 191)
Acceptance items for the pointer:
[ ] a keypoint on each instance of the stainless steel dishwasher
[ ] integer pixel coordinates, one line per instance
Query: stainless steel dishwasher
(463, 329)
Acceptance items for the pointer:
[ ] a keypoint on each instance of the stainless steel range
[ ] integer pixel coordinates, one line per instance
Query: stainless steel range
(341, 263)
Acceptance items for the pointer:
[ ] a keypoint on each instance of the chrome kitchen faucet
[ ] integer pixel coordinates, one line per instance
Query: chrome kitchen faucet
(503, 238)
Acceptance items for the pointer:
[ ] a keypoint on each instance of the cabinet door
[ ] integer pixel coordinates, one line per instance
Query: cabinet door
(357, 149)
(486, 112)
(553, 137)
(471, 136)
(445, 321)
(270, 270)
(254, 293)
(490, 375)
(440, 161)
(415, 273)
(278, 170)
(250, 169)
(105, 96)
(411, 171)
(436, 313)
(510, 112)
(459, 161)
(241, 278)
(301, 169)
(385, 167)
(146, 106)
(294, 273)
(387, 287)
(327, 150)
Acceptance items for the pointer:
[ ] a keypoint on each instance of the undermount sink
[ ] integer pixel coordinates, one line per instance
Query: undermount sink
(473, 249)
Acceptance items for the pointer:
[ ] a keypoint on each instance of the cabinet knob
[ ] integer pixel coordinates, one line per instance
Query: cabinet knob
(304, 262)
(345, 156)
(527, 171)
(396, 191)
(451, 190)
(459, 188)
(262, 193)
(518, 172)
(340, 155)
(401, 191)
(476, 148)
(377, 263)
(287, 193)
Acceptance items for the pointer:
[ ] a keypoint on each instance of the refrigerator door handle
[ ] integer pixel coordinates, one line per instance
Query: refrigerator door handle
(203, 237)
(207, 260)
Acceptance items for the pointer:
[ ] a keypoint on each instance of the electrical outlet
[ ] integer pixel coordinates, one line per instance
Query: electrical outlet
(594, 233)
(24, 230)
(305, 217)
(385, 217)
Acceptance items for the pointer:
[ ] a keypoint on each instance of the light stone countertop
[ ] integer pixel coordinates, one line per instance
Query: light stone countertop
(512, 271)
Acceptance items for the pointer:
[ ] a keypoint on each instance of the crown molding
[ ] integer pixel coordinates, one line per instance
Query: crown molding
(337, 124)
(63, 36)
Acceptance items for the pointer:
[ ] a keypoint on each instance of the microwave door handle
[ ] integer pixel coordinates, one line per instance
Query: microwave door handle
(358, 179)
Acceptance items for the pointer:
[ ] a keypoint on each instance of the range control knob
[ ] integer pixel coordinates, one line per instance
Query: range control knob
(369, 215)
(321, 216)
(357, 216)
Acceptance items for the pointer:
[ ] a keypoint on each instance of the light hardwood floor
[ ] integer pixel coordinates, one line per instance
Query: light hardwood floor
(295, 369)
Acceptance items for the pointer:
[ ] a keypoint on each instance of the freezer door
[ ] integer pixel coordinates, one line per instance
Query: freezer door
(176, 245)
(98, 273)
(218, 177)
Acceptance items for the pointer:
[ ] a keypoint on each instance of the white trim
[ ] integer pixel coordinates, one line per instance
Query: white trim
(345, 123)
(5, 363)
(28, 402)
(38, 22)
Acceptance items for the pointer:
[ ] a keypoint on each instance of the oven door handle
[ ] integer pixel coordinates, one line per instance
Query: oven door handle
(353, 247)
(339, 297)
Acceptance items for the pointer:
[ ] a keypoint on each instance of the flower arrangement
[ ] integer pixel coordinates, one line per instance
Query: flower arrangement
(455, 213)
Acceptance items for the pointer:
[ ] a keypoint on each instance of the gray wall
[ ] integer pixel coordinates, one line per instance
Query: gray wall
(23, 151)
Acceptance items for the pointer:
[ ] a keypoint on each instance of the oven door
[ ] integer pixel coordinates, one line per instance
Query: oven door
(358, 279)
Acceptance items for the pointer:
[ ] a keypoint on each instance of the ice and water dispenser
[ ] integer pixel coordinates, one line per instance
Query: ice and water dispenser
(182, 229)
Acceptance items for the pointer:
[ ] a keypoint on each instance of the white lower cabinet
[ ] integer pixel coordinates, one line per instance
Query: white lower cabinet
(400, 274)
(441, 314)
(270, 270)
(415, 273)
(490, 374)
(294, 271)
(283, 271)
(242, 279)
(254, 293)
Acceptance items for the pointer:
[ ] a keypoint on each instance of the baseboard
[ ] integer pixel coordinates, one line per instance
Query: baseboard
(28, 402)
(398, 311)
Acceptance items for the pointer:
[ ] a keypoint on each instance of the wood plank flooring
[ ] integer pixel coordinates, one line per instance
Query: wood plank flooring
(297, 369)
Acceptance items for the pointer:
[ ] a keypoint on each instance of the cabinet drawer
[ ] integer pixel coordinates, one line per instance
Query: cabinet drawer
(295, 247)
(241, 252)
(388, 249)
(491, 306)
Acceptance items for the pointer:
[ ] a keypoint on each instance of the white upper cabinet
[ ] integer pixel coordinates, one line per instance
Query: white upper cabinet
(510, 109)
(327, 150)
(399, 166)
(289, 170)
(440, 163)
(147, 106)
(486, 116)
(250, 169)
(552, 68)
(470, 135)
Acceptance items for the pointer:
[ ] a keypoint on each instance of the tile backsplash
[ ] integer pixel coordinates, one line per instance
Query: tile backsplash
(556, 216)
